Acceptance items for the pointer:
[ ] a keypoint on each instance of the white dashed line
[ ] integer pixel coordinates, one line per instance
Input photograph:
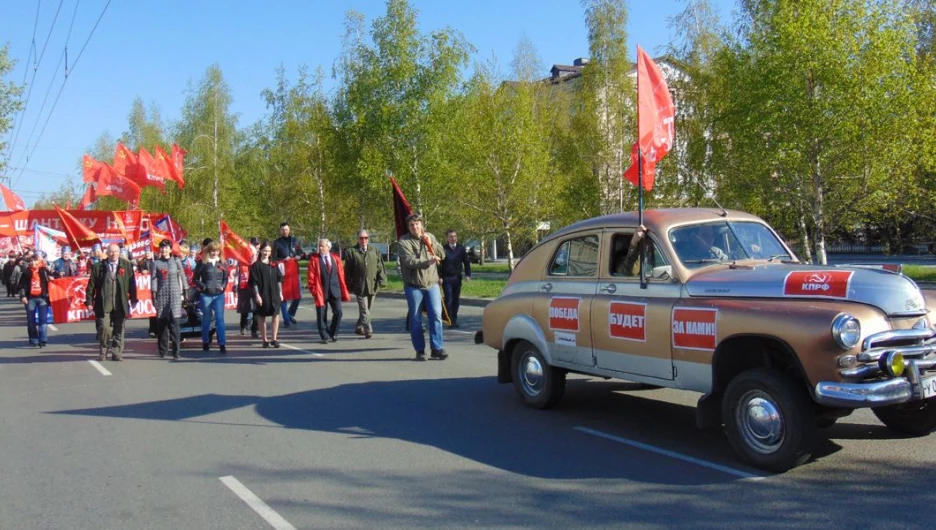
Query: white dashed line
(52, 327)
(313, 354)
(256, 504)
(671, 454)
(100, 368)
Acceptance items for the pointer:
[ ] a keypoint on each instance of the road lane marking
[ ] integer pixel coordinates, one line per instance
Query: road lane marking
(100, 368)
(313, 354)
(52, 327)
(671, 454)
(256, 504)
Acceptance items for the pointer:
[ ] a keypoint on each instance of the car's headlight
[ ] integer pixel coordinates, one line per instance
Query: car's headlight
(846, 331)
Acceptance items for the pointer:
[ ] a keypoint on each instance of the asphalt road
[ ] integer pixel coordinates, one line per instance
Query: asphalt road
(357, 435)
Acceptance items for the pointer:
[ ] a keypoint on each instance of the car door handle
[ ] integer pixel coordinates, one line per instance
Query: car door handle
(611, 288)
(546, 287)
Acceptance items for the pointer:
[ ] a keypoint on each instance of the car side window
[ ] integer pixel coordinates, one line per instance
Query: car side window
(576, 257)
(625, 263)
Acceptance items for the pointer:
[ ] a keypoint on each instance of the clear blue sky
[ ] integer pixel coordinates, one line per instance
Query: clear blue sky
(155, 49)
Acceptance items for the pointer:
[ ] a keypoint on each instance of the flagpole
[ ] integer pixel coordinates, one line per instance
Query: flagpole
(640, 183)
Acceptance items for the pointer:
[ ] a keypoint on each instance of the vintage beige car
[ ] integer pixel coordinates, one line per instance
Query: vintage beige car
(713, 301)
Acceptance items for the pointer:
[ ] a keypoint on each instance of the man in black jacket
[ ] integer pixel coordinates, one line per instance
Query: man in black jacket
(287, 247)
(450, 270)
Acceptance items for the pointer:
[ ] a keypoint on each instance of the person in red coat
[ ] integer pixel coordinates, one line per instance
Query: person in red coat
(325, 280)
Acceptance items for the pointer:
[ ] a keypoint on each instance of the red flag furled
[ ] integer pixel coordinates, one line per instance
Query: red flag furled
(178, 160)
(90, 169)
(155, 174)
(401, 209)
(171, 172)
(111, 183)
(79, 235)
(233, 246)
(88, 197)
(655, 120)
(12, 200)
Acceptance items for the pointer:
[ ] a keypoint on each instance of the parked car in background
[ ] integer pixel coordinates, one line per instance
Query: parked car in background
(473, 249)
(714, 302)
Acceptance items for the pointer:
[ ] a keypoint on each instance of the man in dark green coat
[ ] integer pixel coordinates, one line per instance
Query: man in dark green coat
(111, 290)
(364, 273)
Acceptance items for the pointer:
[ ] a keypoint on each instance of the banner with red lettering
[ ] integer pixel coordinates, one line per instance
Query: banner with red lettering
(290, 270)
(105, 223)
(67, 298)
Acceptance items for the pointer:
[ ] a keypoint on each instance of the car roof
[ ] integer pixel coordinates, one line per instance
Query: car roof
(657, 221)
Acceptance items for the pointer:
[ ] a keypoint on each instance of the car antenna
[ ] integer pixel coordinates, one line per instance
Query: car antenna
(724, 212)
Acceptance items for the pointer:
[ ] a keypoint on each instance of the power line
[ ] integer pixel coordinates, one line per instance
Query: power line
(64, 82)
(32, 49)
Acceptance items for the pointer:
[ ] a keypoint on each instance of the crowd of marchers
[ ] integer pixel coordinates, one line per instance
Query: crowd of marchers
(188, 286)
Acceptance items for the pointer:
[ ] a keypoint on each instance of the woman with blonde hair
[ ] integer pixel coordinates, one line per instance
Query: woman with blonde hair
(210, 277)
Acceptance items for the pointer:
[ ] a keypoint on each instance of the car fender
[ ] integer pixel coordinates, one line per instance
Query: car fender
(525, 327)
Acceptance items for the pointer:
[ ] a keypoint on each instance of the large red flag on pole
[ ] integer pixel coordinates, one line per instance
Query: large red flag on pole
(111, 183)
(233, 246)
(12, 200)
(401, 209)
(89, 169)
(127, 164)
(171, 172)
(655, 121)
(79, 235)
(154, 174)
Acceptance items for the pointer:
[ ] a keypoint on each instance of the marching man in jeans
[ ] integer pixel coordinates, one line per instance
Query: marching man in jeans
(420, 255)
(34, 294)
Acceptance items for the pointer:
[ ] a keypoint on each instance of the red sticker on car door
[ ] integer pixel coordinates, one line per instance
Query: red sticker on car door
(694, 328)
(627, 321)
(833, 284)
(564, 313)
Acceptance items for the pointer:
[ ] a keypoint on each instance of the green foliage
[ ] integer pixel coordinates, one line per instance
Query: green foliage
(10, 102)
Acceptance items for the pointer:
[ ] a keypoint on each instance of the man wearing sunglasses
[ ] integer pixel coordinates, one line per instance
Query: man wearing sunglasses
(364, 274)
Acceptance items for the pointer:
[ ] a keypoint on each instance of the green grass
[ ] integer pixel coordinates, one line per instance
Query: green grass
(491, 267)
(476, 288)
(920, 273)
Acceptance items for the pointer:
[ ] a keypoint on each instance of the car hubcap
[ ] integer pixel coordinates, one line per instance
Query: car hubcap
(760, 422)
(532, 375)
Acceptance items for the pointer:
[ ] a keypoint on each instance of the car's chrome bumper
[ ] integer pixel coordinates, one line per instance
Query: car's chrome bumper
(858, 395)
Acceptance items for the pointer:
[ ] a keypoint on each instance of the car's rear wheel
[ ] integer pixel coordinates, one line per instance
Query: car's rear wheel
(768, 420)
(537, 383)
(917, 418)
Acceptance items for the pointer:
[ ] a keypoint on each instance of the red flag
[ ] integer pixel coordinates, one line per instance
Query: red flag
(127, 164)
(178, 160)
(233, 246)
(154, 175)
(12, 200)
(88, 197)
(655, 119)
(89, 169)
(401, 209)
(171, 172)
(79, 235)
(111, 183)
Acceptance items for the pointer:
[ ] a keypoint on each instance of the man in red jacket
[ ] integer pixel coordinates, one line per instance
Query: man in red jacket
(326, 282)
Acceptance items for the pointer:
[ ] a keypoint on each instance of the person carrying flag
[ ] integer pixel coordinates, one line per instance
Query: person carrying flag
(420, 255)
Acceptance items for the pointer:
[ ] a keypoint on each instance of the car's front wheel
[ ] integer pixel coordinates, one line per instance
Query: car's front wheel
(768, 420)
(917, 418)
(537, 383)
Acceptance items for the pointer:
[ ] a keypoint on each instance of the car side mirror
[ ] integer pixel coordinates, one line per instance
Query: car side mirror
(664, 272)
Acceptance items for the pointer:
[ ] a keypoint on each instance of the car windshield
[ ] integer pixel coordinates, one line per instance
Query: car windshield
(704, 244)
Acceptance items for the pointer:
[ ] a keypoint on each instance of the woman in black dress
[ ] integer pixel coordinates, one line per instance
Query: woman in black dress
(266, 281)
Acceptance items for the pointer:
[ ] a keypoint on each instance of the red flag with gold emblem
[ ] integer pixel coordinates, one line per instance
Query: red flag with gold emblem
(154, 173)
(171, 172)
(233, 246)
(111, 183)
(79, 235)
(655, 119)
(178, 160)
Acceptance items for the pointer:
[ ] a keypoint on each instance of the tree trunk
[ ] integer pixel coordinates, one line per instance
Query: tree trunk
(804, 234)
(510, 262)
(817, 208)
